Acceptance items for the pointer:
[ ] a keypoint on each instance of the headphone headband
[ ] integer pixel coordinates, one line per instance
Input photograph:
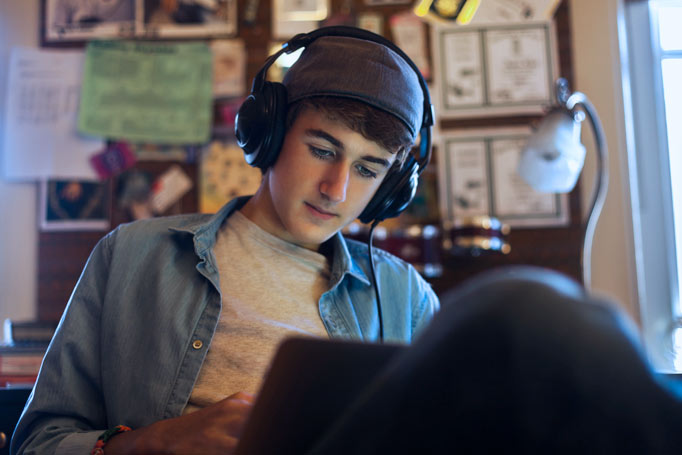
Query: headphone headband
(259, 125)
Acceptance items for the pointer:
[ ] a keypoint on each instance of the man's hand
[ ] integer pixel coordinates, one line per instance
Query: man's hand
(213, 430)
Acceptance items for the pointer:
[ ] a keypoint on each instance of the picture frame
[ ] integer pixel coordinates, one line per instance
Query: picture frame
(477, 177)
(74, 205)
(291, 17)
(494, 70)
(71, 23)
(196, 19)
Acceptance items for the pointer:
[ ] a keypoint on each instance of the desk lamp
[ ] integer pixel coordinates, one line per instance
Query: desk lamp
(553, 158)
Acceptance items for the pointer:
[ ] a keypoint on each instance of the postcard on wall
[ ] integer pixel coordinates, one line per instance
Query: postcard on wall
(494, 70)
(74, 205)
(40, 138)
(229, 68)
(513, 11)
(77, 20)
(374, 22)
(409, 33)
(147, 92)
(291, 17)
(224, 175)
(186, 18)
(478, 177)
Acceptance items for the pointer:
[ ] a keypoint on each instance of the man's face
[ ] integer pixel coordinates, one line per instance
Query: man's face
(324, 177)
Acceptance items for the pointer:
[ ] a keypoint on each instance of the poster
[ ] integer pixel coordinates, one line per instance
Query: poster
(147, 92)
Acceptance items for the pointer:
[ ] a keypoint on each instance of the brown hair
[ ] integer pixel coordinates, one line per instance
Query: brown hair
(372, 123)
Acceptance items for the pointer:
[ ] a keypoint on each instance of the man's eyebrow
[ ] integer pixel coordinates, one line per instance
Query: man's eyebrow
(338, 144)
(326, 136)
(373, 159)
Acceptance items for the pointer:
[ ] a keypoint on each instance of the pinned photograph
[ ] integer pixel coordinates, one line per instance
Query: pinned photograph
(81, 20)
(74, 205)
(187, 18)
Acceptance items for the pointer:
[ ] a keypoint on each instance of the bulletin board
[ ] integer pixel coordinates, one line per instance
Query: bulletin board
(62, 254)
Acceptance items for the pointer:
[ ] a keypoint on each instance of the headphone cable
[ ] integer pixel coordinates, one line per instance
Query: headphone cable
(374, 279)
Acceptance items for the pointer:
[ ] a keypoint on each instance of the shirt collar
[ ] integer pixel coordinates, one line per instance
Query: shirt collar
(344, 263)
(205, 230)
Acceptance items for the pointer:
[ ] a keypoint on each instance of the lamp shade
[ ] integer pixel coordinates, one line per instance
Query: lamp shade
(553, 157)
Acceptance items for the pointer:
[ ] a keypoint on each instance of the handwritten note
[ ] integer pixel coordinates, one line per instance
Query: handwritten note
(40, 138)
(147, 91)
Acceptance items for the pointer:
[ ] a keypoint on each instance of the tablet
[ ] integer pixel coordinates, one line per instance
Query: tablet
(309, 384)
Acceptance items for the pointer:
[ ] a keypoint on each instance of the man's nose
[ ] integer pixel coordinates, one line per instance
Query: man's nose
(335, 183)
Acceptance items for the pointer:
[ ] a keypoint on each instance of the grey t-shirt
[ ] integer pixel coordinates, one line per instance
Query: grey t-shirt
(270, 289)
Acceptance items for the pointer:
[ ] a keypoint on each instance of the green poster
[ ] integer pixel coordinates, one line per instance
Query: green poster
(147, 92)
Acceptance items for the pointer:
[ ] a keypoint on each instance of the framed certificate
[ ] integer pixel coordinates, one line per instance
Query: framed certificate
(478, 177)
(494, 70)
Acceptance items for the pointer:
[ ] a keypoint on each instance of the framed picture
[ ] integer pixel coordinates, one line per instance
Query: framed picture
(186, 18)
(494, 70)
(74, 205)
(76, 21)
(291, 17)
(73, 22)
(478, 177)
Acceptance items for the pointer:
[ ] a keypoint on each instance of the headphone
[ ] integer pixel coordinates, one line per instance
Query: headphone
(260, 126)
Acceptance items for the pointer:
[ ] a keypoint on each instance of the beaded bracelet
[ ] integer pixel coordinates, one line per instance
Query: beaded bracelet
(104, 438)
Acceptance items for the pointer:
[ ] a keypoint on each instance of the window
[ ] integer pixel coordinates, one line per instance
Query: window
(653, 71)
(669, 17)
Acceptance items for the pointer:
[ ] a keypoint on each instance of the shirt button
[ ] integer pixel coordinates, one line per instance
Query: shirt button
(197, 344)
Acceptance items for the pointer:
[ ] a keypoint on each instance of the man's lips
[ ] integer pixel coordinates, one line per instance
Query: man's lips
(319, 212)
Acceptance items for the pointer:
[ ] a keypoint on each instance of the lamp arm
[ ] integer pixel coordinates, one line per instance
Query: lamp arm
(575, 100)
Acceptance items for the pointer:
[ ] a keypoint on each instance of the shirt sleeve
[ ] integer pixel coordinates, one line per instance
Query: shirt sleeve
(65, 412)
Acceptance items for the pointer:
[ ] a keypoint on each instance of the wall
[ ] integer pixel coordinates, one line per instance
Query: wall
(596, 72)
(596, 67)
(18, 201)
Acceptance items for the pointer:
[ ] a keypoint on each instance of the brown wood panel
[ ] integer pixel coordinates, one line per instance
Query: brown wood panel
(62, 255)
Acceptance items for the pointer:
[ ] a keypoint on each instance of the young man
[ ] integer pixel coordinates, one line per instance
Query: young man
(174, 320)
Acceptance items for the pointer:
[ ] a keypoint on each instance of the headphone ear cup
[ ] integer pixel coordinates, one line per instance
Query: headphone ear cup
(394, 195)
(260, 124)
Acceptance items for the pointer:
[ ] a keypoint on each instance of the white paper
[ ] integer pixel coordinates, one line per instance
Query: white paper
(290, 19)
(169, 187)
(518, 71)
(40, 139)
(229, 68)
(513, 11)
(460, 53)
(409, 33)
(468, 182)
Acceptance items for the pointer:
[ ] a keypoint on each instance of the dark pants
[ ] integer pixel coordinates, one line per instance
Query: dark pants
(518, 360)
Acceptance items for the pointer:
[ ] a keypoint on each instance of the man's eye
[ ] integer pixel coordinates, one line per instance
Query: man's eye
(321, 153)
(365, 173)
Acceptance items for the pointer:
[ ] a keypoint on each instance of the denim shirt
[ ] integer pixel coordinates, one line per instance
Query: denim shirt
(137, 327)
